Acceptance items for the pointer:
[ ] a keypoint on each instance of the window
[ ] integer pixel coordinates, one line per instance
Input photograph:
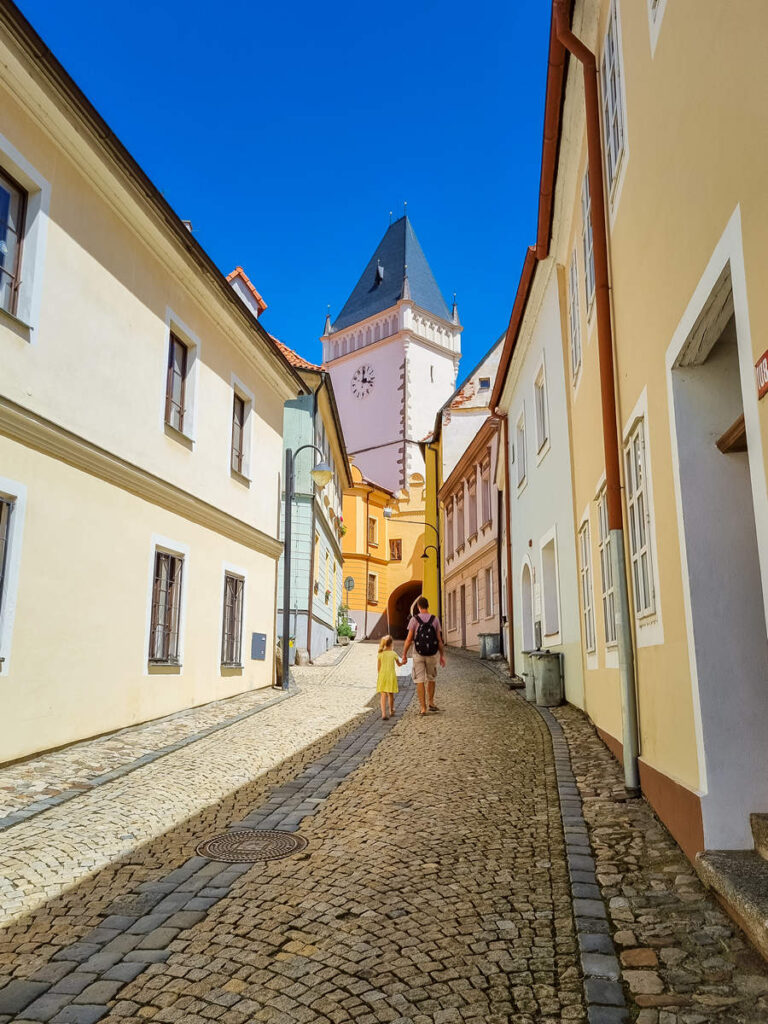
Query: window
(637, 506)
(585, 577)
(238, 433)
(396, 550)
(373, 531)
(540, 395)
(373, 588)
(475, 600)
(488, 593)
(232, 629)
(485, 492)
(586, 241)
(449, 529)
(520, 451)
(166, 608)
(574, 316)
(549, 589)
(176, 383)
(613, 108)
(606, 568)
(472, 499)
(485, 383)
(5, 533)
(13, 201)
(460, 538)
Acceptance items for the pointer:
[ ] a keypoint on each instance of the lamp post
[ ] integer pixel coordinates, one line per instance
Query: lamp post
(435, 547)
(321, 474)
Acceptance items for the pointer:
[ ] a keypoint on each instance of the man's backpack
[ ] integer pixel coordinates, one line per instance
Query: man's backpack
(425, 640)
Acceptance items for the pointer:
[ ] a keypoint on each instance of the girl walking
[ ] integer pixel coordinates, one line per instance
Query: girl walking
(386, 684)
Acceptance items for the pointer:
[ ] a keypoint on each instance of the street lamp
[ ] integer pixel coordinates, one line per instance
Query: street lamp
(321, 474)
(388, 513)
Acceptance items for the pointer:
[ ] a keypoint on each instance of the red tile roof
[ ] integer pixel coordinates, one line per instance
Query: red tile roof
(239, 272)
(293, 357)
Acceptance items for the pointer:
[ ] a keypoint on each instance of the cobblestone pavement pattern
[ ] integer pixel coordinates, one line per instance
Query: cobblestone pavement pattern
(46, 854)
(434, 889)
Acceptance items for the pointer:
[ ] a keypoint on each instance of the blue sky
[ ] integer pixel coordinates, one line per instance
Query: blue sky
(286, 132)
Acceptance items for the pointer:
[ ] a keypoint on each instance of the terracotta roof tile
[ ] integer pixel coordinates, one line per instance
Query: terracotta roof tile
(293, 357)
(239, 272)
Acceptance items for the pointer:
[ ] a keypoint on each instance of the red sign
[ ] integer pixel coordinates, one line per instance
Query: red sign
(761, 372)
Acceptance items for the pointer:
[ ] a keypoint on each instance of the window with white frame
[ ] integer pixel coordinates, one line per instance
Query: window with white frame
(166, 608)
(540, 404)
(13, 203)
(585, 578)
(449, 528)
(232, 626)
(549, 588)
(612, 97)
(176, 384)
(520, 450)
(574, 316)
(606, 568)
(639, 521)
(475, 600)
(587, 240)
(485, 491)
(472, 504)
(6, 507)
(488, 593)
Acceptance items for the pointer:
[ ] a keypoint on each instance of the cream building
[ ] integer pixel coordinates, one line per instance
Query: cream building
(654, 209)
(141, 412)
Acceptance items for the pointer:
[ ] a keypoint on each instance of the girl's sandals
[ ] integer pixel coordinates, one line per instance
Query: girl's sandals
(433, 707)
(423, 714)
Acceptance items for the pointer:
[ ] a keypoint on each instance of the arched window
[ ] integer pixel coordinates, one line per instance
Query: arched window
(527, 608)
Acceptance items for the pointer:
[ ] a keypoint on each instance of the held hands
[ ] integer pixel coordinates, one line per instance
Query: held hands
(401, 662)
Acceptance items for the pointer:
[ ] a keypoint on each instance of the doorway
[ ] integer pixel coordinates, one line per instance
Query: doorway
(726, 613)
(463, 616)
(399, 607)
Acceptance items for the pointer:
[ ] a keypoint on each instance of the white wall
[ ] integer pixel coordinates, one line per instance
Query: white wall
(543, 507)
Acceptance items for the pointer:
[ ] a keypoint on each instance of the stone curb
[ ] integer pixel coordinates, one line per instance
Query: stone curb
(41, 806)
(603, 992)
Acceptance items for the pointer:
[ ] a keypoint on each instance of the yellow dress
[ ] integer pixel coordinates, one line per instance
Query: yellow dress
(387, 681)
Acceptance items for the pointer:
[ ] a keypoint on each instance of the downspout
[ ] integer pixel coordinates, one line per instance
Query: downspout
(313, 529)
(499, 514)
(607, 392)
(508, 534)
(367, 559)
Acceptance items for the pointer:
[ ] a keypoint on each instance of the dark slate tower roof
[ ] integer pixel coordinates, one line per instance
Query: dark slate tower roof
(381, 284)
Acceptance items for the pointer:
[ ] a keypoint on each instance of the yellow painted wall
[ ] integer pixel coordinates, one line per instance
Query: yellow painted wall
(432, 567)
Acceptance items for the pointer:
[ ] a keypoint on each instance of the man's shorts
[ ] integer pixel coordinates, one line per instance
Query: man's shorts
(425, 667)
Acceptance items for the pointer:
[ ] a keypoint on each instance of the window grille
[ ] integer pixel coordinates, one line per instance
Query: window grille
(166, 608)
(232, 631)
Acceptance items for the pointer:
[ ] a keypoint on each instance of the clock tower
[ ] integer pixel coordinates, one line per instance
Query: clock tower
(393, 354)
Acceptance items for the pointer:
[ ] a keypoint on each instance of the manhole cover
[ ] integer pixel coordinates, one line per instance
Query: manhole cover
(251, 845)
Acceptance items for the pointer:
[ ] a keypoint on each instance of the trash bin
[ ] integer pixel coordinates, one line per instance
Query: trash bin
(489, 645)
(548, 678)
(527, 674)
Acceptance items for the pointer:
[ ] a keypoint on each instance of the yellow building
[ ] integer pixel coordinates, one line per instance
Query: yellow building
(141, 411)
(383, 547)
(654, 209)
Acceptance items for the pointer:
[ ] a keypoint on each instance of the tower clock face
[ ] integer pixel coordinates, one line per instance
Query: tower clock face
(362, 381)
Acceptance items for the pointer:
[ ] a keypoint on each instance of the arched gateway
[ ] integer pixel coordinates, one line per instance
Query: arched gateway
(399, 608)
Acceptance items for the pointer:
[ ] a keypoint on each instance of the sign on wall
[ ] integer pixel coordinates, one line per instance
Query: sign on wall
(761, 373)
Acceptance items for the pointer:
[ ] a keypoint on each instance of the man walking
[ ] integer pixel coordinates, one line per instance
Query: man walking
(426, 635)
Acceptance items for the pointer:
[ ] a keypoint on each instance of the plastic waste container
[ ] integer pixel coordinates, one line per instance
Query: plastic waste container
(527, 674)
(548, 678)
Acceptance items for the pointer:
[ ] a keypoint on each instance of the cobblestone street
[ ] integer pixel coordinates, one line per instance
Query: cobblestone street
(481, 864)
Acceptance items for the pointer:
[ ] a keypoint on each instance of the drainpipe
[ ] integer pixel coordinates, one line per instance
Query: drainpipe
(312, 530)
(367, 559)
(508, 533)
(607, 392)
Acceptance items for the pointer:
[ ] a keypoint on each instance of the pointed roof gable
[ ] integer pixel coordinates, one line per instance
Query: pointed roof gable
(382, 281)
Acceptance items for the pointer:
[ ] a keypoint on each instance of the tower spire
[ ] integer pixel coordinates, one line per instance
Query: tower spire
(455, 311)
(406, 292)
(328, 328)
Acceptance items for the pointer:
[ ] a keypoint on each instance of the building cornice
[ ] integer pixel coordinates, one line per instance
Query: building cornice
(42, 435)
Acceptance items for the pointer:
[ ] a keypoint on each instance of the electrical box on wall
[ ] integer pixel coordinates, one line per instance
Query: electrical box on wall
(258, 646)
